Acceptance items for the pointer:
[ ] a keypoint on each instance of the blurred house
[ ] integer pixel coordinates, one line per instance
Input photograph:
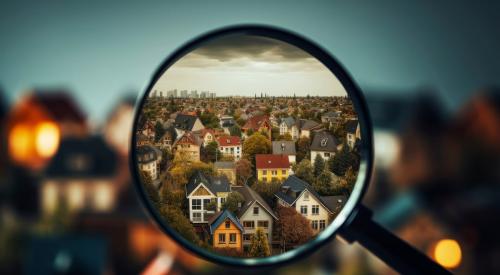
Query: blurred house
(353, 132)
(37, 123)
(80, 177)
(118, 127)
(149, 159)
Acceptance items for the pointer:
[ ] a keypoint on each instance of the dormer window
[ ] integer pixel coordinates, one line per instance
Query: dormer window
(324, 142)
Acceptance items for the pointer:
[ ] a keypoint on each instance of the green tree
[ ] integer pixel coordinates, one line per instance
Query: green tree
(208, 153)
(341, 161)
(303, 148)
(233, 202)
(275, 133)
(209, 120)
(323, 184)
(166, 157)
(151, 190)
(304, 171)
(260, 245)
(319, 165)
(180, 223)
(159, 131)
(267, 190)
(235, 131)
(256, 144)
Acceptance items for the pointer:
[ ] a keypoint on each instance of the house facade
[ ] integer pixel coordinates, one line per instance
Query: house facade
(257, 123)
(230, 146)
(149, 159)
(226, 231)
(188, 145)
(298, 128)
(201, 190)
(187, 123)
(272, 167)
(324, 145)
(353, 132)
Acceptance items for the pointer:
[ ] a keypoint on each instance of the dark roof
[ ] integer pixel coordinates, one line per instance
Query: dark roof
(60, 106)
(351, 126)
(284, 147)
(289, 121)
(170, 131)
(306, 124)
(332, 114)
(220, 217)
(147, 153)
(185, 122)
(88, 157)
(324, 141)
(214, 184)
(250, 197)
(293, 187)
(334, 202)
(225, 165)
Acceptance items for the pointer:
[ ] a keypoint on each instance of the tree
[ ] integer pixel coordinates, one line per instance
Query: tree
(233, 202)
(209, 152)
(267, 190)
(341, 161)
(256, 144)
(275, 133)
(235, 131)
(159, 131)
(303, 148)
(166, 157)
(151, 190)
(304, 171)
(209, 120)
(244, 171)
(295, 229)
(260, 244)
(323, 184)
(178, 221)
(319, 165)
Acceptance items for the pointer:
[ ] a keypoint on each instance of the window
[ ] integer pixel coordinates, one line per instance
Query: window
(263, 224)
(315, 210)
(197, 217)
(205, 203)
(327, 155)
(314, 225)
(228, 224)
(256, 211)
(222, 238)
(274, 172)
(222, 200)
(264, 172)
(306, 196)
(232, 238)
(264, 179)
(247, 237)
(196, 204)
(322, 225)
(303, 210)
(248, 224)
(283, 172)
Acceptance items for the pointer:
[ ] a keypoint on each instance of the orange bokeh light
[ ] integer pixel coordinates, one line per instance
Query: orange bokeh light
(447, 253)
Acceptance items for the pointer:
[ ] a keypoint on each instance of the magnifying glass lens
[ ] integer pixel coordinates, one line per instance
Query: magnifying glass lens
(247, 146)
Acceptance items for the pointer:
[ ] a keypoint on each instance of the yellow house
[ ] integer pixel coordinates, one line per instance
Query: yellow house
(272, 167)
(226, 231)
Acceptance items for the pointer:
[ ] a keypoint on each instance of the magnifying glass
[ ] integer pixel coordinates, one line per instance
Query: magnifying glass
(252, 146)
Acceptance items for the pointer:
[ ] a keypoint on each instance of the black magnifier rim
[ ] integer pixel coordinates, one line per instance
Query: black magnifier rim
(366, 145)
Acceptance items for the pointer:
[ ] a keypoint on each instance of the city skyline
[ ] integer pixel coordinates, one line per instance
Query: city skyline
(246, 64)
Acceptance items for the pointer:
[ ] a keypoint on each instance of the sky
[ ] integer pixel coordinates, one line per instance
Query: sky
(244, 65)
(101, 51)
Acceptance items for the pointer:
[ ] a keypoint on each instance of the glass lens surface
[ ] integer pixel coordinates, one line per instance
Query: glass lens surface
(247, 146)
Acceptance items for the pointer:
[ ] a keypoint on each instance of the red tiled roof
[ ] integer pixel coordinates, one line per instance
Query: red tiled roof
(271, 161)
(228, 141)
(256, 122)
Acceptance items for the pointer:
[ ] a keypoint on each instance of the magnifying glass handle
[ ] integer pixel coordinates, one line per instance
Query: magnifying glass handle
(395, 252)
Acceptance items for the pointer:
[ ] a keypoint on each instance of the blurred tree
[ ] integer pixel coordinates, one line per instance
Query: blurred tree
(159, 131)
(235, 131)
(260, 244)
(176, 219)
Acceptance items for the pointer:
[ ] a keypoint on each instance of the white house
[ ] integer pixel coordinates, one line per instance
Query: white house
(201, 190)
(325, 145)
(148, 159)
(230, 146)
(353, 132)
(187, 123)
(298, 128)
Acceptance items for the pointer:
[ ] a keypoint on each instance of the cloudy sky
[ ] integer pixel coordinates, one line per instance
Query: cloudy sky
(248, 65)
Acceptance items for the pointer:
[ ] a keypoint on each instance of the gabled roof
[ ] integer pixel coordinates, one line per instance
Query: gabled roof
(229, 141)
(306, 124)
(189, 138)
(289, 121)
(60, 105)
(225, 165)
(334, 202)
(252, 197)
(221, 217)
(147, 153)
(284, 147)
(332, 114)
(170, 131)
(88, 157)
(256, 122)
(269, 161)
(351, 126)
(324, 141)
(214, 184)
(293, 187)
(185, 122)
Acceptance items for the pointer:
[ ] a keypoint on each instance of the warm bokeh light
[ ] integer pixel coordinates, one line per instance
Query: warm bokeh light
(76, 195)
(103, 196)
(448, 253)
(49, 197)
(19, 142)
(47, 139)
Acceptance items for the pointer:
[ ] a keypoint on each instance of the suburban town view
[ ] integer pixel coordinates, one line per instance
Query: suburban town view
(247, 175)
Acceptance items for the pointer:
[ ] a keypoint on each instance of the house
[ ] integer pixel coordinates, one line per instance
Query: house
(81, 177)
(188, 145)
(226, 231)
(227, 122)
(230, 146)
(325, 145)
(187, 123)
(227, 168)
(299, 194)
(254, 213)
(208, 135)
(257, 123)
(298, 128)
(149, 159)
(353, 132)
(272, 167)
(331, 117)
(201, 190)
(148, 130)
(285, 147)
(142, 139)
(167, 140)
